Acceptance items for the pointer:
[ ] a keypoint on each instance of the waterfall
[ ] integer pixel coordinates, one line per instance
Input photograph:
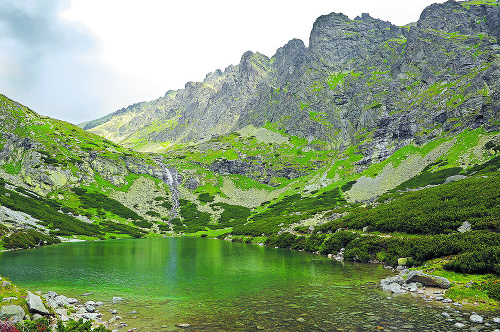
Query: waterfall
(171, 181)
(169, 176)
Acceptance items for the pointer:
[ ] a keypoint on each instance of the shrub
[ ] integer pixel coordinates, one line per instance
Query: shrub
(284, 240)
(492, 287)
(142, 223)
(6, 326)
(337, 241)
(486, 260)
(206, 198)
(153, 214)
(79, 326)
(232, 214)
(40, 325)
(194, 219)
(433, 210)
(45, 210)
(102, 202)
(28, 239)
(166, 205)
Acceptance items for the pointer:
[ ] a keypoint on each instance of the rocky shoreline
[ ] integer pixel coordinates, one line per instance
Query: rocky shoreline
(60, 308)
(433, 288)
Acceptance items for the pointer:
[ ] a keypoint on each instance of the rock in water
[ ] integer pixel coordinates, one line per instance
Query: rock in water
(35, 304)
(12, 313)
(427, 279)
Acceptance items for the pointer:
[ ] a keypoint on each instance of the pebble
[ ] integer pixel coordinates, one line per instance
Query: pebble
(459, 325)
(183, 325)
(300, 320)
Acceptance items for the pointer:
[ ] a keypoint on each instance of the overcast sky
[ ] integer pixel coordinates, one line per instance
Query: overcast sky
(78, 60)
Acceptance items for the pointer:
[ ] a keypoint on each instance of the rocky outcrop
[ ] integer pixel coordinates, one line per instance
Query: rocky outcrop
(361, 82)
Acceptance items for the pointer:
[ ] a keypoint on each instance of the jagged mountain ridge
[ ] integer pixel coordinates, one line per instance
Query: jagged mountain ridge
(360, 82)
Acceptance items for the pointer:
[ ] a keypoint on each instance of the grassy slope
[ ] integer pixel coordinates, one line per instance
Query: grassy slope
(55, 149)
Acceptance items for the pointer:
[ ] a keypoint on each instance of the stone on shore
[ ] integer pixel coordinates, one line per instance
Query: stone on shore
(496, 320)
(476, 319)
(12, 313)
(393, 288)
(427, 279)
(35, 304)
(90, 308)
(72, 300)
(182, 325)
(118, 299)
(62, 314)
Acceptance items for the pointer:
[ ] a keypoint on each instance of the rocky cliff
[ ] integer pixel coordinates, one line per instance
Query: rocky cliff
(361, 82)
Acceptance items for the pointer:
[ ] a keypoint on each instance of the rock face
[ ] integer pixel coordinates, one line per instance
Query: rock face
(35, 304)
(12, 313)
(361, 81)
(427, 279)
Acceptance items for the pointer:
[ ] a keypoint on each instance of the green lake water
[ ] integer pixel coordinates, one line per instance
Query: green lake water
(216, 285)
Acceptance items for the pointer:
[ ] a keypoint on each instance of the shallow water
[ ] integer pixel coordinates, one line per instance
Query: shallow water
(217, 285)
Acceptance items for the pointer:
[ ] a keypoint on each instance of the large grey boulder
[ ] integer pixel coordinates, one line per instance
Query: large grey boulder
(36, 305)
(12, 313)
(393, 288)
(427, 279)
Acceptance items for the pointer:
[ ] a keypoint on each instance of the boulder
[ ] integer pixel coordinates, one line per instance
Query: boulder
(466, 227)
(389, 280)
(62, 314)
(35, 304)
(12, 313)
(427, 279)
(459, 325)
(72, 300)
(403, 261)
(61, 300)
(413, 287)
(476, 319)
(90, 308)
(51, 295)
(496, 320)
(393, 288)
(91, 316)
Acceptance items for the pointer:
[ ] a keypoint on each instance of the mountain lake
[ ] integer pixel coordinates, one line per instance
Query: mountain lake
(216, 285)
